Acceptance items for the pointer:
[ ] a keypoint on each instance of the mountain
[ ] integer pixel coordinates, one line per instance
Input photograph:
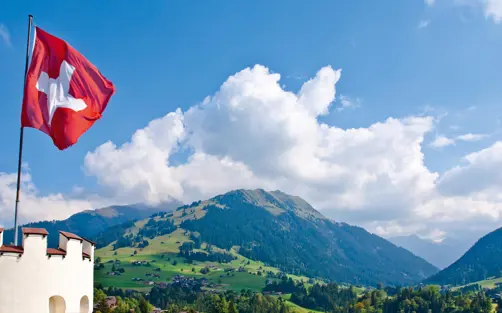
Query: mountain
(482, 261)
(91, 222)
(285, 232)
(440, 254)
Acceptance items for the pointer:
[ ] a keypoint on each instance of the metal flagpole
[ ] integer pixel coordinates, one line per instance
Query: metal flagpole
(30, 22)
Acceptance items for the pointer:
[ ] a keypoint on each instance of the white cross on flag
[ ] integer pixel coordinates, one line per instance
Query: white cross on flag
(64, 93)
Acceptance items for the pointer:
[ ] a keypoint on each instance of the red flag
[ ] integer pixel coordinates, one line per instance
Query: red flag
(64, 93)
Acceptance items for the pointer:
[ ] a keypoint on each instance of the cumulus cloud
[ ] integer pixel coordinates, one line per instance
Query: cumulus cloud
(442, 141)
(5, 35)
(493, 9)
(34, 207)
(479, 177)
(347, 102)
(252, 133)
(471, 137)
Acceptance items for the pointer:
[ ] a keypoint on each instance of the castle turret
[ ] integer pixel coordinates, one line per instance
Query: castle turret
(37, 279)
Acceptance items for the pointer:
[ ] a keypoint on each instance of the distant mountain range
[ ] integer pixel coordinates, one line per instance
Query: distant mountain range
(482, 261)
(440, 254)
(285, 232)
(91, 222)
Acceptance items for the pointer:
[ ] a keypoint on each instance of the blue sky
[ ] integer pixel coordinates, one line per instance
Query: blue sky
(398, 58)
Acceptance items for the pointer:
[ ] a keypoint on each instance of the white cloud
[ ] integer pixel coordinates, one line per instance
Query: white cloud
(480, 176)
(254, 134)
(32, 206)
(442, 141)
(423, 24)
(493, 9)
(430, 2)
(347, 102)
(5, 35)
(471, 137)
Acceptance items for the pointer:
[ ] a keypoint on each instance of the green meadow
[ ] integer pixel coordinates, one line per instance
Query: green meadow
(162, 256)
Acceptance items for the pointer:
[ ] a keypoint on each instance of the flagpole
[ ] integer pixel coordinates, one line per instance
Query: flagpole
(21, 133)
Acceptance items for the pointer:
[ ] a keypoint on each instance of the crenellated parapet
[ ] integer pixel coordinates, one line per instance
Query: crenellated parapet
(38, 279)
(35, 243)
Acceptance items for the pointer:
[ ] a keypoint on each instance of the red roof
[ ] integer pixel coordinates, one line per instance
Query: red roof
(1, 229)
(89, 241)
(35, 231)
(70, 235)
(11, 249)
(51, 251)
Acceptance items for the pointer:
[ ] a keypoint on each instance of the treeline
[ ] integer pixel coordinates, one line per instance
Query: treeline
(300, 246)
(133, 303)
(336, 299)
(331, 298)
(325, 297)
(186, 251)
(154, 228)
(112, 234)
(285, 285)
(175, 299)
(151, 229)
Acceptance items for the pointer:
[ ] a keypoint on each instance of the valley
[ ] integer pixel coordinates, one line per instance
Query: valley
(251, 246)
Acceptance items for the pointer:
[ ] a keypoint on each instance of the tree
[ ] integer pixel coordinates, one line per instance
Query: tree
(144, 306)
(103, 306)
(232, 308)
(284, 308)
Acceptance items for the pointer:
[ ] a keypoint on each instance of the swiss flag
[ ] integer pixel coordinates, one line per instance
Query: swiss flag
(64, 93)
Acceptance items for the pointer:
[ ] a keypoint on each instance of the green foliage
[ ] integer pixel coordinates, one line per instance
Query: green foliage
(482, 261)
(324, 297)
(144, 306)
(300, 241)
(333, 298)
(154, 228)
(187, 252)
(285, 285)
(112, 234)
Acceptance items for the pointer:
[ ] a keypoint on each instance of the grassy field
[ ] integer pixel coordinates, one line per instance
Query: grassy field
(487, 283)
(164, 261)
(162, 254)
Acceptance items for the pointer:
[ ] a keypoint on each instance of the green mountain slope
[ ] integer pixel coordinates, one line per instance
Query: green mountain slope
(92, 222)
(287, 233)
(482, 261)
